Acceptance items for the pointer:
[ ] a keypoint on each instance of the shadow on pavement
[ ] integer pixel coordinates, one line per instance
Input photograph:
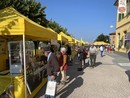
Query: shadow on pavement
(78, 81)
(73, 71)
(98, 63)
(128, 74)
(74, 81)
(103, 55)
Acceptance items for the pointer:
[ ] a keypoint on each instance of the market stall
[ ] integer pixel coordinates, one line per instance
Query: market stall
(82, 42)
(17, 33)
(76, 41)
(71, 40)
(100, 43)
(62, 37)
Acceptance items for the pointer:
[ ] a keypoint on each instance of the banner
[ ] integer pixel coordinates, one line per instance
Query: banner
(127, 37)
(122, 6)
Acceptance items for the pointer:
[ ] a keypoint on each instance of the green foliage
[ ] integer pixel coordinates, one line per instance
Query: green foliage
(56, 27)
(34, 11)
(29, 8)
(103, 37)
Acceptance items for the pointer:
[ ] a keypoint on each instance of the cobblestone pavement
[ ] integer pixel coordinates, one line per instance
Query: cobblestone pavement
(106, 80)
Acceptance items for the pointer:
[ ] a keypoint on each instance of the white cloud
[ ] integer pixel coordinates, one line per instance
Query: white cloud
(111, 26)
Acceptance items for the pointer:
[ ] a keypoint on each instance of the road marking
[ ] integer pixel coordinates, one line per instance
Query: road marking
(124, 64)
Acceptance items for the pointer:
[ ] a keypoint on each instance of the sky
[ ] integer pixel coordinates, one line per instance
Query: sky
(84, 19)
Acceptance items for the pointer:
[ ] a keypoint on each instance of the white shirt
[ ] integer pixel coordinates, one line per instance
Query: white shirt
(92, 50)
(49, 56)
(101, 48)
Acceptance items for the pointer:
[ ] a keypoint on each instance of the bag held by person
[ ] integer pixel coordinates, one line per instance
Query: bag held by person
(51, 88)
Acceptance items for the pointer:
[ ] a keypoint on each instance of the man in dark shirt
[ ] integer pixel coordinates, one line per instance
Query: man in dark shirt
(52, 66)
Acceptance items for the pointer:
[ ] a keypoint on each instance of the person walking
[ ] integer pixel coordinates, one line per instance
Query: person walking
(129, 55)
(92, 55)
(63, 64)
(101, 50)
(69, 52)
(81, 56)
(85, 54)
(52, 66)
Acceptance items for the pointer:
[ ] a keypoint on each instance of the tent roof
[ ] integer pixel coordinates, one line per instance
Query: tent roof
(100, 43)
(77, 41)
(63, 37)
(82, 42)
(14, 23)
(70, 39)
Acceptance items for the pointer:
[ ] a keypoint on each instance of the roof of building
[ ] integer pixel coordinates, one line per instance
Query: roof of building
(113, 33)
(116, 3)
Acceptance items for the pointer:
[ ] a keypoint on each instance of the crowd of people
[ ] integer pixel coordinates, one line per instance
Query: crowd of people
(58, 63)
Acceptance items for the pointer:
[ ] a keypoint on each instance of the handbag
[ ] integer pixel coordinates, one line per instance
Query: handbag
(51, 88)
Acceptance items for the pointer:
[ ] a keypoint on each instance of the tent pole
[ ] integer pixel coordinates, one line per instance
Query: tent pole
(24, 59)
(61, 43)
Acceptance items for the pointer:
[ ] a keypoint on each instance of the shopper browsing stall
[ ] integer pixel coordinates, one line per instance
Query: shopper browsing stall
(63, 64)
(52, 66)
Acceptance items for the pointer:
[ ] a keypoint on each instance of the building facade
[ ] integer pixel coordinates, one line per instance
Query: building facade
(122, 41)
(112, 38)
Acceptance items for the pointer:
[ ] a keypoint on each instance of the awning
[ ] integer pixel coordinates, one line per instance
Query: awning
(62, 37)
(14, 23)
(81, 41)
(127, 37)
(76, 41)
(5, 82)
(71, 39)
(100, 43)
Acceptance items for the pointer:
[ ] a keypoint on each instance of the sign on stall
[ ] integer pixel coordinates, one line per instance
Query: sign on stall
(122, 6)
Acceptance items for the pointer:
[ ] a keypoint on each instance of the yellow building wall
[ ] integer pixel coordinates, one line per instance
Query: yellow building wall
(121, 27)
(123, 22)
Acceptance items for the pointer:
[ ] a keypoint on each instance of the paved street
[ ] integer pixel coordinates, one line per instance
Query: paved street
(120, 59)
(107, 80)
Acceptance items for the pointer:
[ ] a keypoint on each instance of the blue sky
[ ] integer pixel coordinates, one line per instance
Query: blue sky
(83, 18)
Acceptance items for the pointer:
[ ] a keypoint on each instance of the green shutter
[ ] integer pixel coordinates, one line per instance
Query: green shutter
(120, 16)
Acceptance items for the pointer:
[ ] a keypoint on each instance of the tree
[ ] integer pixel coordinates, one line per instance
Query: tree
(56, 27)
(107, 39)
(29, 8)
(103, 37)
(34, 11)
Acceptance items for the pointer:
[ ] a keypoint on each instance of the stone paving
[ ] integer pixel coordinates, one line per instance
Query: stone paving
(106, 80)
(120, 59)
